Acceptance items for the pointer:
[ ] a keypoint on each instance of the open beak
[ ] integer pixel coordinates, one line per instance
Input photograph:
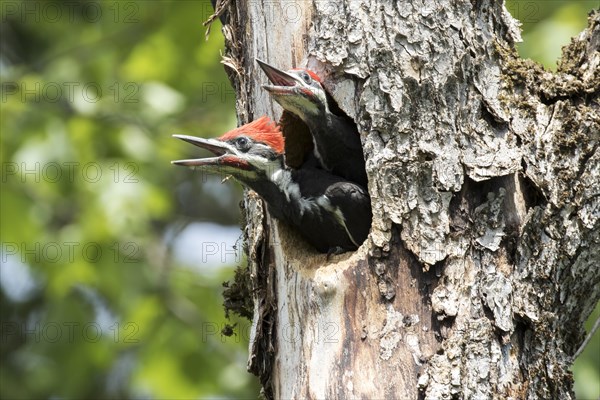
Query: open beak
(226, 155)
(282, 82)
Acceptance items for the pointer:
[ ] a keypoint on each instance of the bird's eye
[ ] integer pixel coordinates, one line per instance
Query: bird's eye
(241, 143)
(306, 77)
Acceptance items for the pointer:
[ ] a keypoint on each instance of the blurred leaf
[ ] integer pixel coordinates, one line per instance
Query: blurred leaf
(548, 26)
(91, 96)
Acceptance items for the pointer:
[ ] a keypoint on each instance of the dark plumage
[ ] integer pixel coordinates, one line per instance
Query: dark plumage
(330, 212)
(336, 140)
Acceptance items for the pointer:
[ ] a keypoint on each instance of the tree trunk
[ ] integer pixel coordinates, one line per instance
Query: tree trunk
(482, 261)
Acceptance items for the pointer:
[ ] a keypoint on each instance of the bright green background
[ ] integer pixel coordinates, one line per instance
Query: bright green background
(146, 72)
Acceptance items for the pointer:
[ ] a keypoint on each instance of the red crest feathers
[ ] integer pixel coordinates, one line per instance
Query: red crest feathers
(311, 73)
(261, 130)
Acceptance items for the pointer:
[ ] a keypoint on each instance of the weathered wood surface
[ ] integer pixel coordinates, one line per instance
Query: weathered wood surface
(482, 263)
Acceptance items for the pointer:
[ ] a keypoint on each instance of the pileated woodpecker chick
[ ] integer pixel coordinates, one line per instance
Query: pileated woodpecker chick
(331, 213)
(336, 140)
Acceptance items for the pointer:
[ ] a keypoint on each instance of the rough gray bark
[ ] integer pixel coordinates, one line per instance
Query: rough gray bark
(482, 262)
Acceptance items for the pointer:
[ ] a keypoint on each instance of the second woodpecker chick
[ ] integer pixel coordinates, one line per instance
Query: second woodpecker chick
(331, 213)
(336, 140)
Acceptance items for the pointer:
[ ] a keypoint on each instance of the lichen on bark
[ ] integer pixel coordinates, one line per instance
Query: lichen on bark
(483, 173)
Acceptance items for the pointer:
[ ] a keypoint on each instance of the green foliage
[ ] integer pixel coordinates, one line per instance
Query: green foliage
(548, 25)
(93, 301)
(586, 368)
(91, 93)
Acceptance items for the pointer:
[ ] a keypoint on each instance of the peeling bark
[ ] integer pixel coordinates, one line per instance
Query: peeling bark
(482, 262)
